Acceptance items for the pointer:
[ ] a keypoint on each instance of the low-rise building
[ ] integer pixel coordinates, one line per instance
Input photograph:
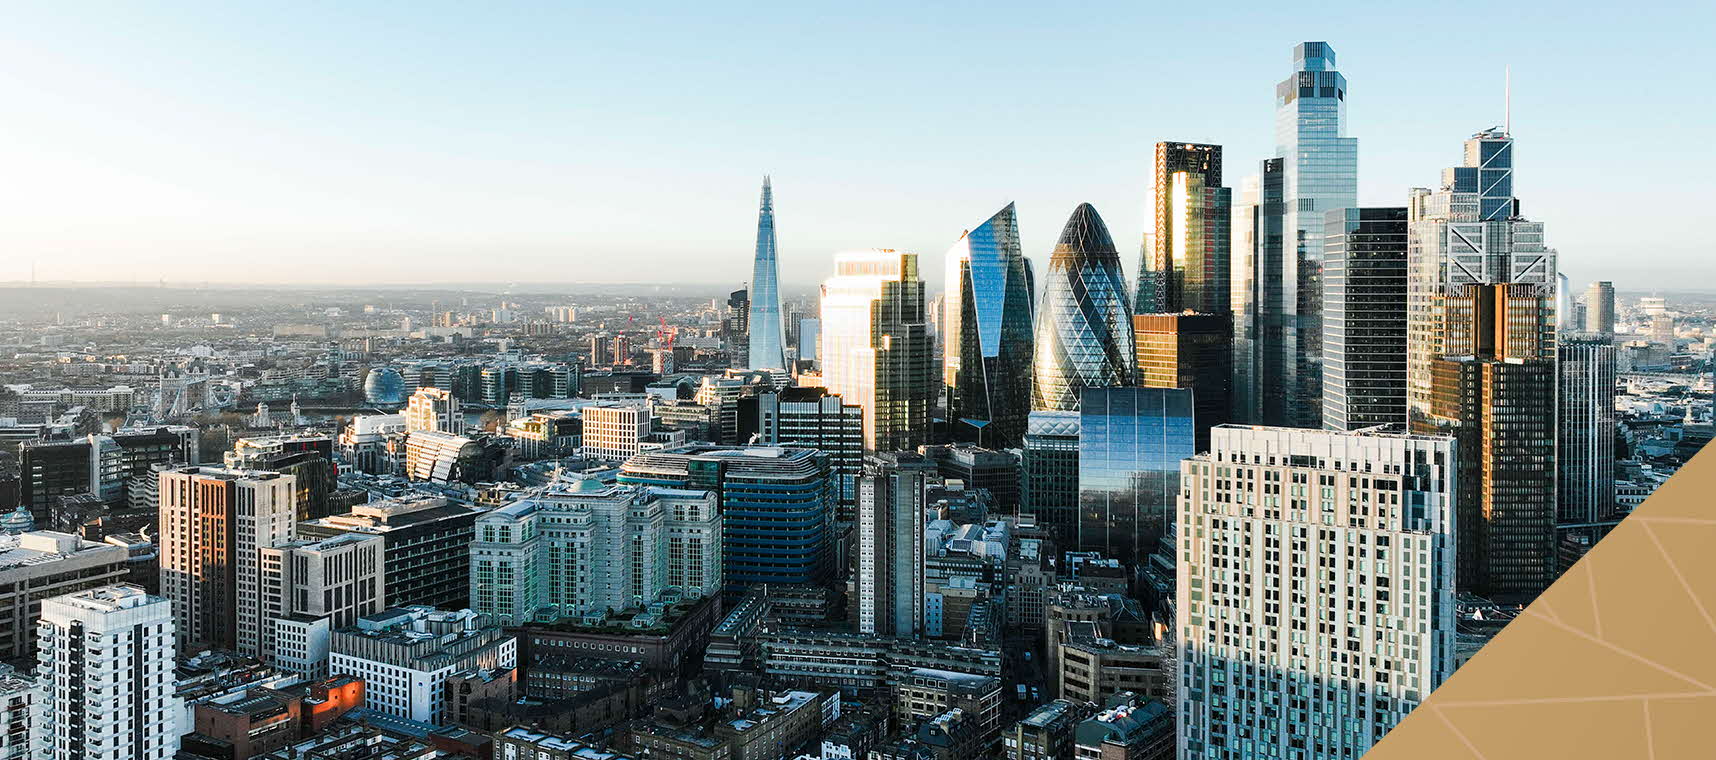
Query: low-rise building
(43, 564)
(1128, 727)
(405, 656)
(1045, 734)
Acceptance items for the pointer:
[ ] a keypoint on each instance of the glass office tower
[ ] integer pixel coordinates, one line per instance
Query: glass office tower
(1364, 319)
(766, 334)
(1084, 330)
(1186, 258)
(986, 326)
(1318, 173)
(1131, 441)
(876, 345)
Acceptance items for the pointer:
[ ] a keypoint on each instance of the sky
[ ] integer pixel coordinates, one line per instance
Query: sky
(578, 142)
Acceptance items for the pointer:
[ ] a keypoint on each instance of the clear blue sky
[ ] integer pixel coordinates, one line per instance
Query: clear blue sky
(445, 142)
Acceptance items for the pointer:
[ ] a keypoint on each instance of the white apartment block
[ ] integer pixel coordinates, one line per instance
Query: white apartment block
(311, 588)
(1315, 603)
(404, 656)
(105, 663)
(19, 700)
(579, 548)
(615, 432)
(214, 523)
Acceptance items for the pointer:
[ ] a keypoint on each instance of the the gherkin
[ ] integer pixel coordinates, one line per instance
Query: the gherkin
(987, 324)
(1084, 329)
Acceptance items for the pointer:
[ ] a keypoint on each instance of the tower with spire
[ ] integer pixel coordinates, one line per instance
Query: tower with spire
(766, 335)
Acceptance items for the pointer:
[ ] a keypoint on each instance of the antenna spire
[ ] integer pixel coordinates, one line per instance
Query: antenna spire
(1507, 98)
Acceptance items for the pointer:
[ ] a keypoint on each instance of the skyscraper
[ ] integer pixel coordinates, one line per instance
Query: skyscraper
(1246, 294)
(1495, 393)
(889, 567)
(876, 346)
(1364, 318)
(1186, 262)
(1131, 441)
(1318, 172)
(1285, 649)
(813, 418)
(1084, 328)
(106, 655)
(1048, 465)
(1192, 352)
(1585, 441)
(1468, 232)
(987, 332)
(767, 338)
(1600, 308)
(214, 524)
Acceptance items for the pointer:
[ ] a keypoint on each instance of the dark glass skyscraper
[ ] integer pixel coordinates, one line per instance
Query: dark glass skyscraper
(987, 332)
(1084, 330)
(766, 335)
(1131, 441)
(1319, 173)
(1364, 319)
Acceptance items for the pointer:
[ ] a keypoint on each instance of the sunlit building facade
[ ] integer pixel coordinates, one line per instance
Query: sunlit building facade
(1084, 328)
(876, 345)
(986, 327)
(1186, 261)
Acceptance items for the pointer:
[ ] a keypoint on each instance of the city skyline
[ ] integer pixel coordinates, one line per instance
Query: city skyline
(523, 169)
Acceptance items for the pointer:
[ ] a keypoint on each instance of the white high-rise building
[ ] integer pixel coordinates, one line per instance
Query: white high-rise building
(581, 548)
(214, 523)
(876, 347)
(106, 668)
(1315, 590)
(314, 587)
(889, 572)
(615, 431)
(405, 655)
(20, 698)
(434, 409)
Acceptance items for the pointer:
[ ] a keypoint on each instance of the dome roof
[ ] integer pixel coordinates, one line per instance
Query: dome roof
(384, 387)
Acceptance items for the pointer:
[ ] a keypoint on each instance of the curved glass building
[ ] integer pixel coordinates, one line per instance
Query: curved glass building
(384, 387)
(766, 336)
(986, 323)
(1084, 331)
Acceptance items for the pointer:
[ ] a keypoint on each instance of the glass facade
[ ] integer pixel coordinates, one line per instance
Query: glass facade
(1186, 262)
(1364, 322)
(1131, 442)
(1084, 331)
(1049, 473)
(876, 347)
(1319, 173)
(766, 334)
(987, 329)
(1188, 351)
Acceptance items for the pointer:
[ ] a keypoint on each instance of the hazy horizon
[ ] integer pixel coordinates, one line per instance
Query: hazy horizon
(543, 142)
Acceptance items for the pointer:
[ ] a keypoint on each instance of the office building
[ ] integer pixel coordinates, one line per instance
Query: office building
(1048, 465)
(49, 470)
(1364, 318)
(888, 567)
(1309, 657)
(767, 338)
(1045, 734)
(614, 431)
(1467, 233)
(1495, 393)
(312, 587)
(1316, 171)
(106, 655)
(1192, 352)
(434, 409)
(437, 457)
(1585, 424)
(1131, 441)
(307, 457)
(374, 443)
(214, 523)
(809, 331)
(581, 549)
(1186, 258)
(42, 564)
(406, 654)
(1127, 727)
(1600, 308)
(777, 507)
(813, 418)
(426, 540)
(986, 330)
(923, 693)
(994, 473)
(876, 345)
(1084, 328)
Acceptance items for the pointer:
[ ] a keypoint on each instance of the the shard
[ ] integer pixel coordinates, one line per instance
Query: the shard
(767, 337)
(1084, 330)
(987, 329)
